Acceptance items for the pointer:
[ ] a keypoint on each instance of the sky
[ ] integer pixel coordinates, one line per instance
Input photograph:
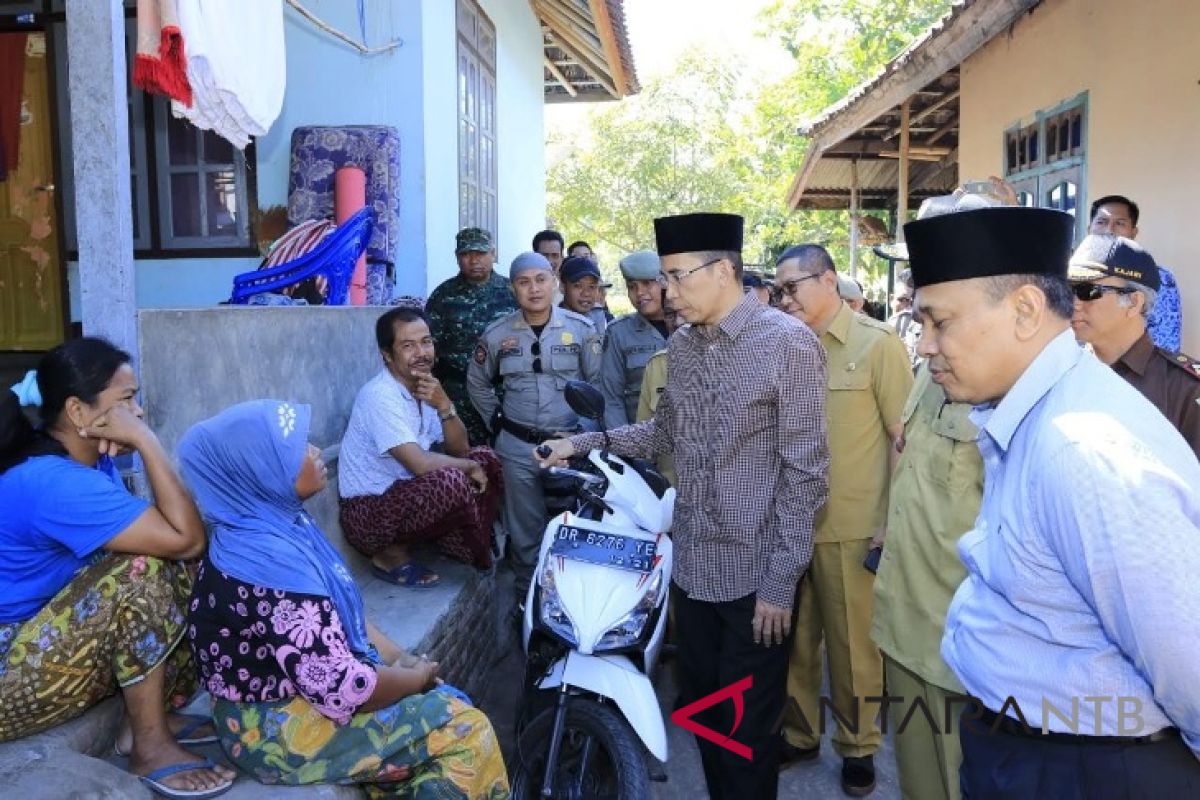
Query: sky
(661, 31)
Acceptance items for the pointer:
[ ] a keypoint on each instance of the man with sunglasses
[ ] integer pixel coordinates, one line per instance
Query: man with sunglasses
(530, 354)
(1116, 283)
(869, 378)
(744, 415)
(1077, 628)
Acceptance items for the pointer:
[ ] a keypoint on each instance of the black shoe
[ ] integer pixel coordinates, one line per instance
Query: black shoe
(789, 754)
(858, 775)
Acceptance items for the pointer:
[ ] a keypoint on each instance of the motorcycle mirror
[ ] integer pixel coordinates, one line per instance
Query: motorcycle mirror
(585, 400)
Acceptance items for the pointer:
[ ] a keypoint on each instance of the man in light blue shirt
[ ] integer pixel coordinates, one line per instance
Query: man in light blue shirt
(1078, 626)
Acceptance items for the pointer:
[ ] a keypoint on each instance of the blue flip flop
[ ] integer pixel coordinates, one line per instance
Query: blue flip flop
(153, 781)
(411, 575)
(186, 735)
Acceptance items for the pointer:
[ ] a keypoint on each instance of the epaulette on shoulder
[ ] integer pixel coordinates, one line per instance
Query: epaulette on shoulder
(1183, 361)
(575, 315)
(871, 322)
(499, 321)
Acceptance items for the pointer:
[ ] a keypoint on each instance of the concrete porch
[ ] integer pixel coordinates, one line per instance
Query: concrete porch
(194, 364)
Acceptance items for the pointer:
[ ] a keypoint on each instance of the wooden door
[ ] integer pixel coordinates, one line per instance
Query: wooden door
(31, 276)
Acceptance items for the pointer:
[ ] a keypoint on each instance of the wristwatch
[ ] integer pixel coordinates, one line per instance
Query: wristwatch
(450, 413)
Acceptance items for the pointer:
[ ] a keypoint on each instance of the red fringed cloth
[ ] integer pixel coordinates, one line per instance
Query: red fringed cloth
(160, 65)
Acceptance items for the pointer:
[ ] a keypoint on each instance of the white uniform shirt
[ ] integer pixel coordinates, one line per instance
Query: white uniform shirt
(385, 415)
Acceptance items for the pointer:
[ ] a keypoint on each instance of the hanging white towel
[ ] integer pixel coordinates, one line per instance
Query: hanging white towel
(236, 66)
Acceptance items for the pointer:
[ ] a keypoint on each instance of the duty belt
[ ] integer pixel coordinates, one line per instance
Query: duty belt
(525, 434)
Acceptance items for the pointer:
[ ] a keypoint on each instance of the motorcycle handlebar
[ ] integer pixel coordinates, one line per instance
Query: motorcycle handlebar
(587, 478)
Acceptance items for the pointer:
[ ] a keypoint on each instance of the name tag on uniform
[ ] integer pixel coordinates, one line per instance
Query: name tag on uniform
(511, 352)
(572, 349)
(642, 348)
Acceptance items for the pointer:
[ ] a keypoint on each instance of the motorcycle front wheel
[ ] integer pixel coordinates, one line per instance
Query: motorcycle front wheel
(600, 756)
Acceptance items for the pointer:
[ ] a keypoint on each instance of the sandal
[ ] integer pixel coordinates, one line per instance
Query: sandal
(411, 575)
(153, 781)
(186, 735)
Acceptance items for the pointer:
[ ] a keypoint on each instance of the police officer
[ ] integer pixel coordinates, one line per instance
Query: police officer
(458, 311)
(580, 279)
(1116, 283)
(633, 339)
(531, 353)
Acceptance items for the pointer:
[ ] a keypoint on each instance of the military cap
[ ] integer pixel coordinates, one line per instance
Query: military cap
(576, 268)
(1105, 255)
(698, 233)
(988, 242)
(640, 265)
(472, 240)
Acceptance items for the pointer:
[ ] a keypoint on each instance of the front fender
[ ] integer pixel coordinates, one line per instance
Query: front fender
(616, 678)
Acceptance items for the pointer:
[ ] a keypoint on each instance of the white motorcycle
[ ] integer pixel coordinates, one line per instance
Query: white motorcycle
(595, 618)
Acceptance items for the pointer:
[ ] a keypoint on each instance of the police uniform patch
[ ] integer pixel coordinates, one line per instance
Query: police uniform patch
(568, 338)
(480, 354)
(509, 343)
(597, 347)
(572, 349)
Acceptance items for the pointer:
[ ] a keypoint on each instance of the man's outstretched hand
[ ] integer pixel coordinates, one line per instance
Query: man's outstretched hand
(554, 452)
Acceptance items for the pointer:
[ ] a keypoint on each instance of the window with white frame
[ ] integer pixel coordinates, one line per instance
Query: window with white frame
(1046, 160)
(477, 184)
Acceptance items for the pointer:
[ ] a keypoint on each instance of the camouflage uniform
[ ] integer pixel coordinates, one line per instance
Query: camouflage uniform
(458, 313)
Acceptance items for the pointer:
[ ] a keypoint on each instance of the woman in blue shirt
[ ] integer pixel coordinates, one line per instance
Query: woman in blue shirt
(92, 597)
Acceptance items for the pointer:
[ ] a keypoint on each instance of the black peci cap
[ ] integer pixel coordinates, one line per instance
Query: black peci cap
(986, 242)
(698, 233)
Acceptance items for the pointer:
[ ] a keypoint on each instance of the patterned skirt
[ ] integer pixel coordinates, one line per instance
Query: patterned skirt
(115, 622)
(438, 507)
(449, 748)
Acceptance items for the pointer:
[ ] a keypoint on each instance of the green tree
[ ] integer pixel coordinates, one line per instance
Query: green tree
(708, 137)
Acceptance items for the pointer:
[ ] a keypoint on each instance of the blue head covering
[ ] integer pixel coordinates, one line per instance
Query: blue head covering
(242, 466)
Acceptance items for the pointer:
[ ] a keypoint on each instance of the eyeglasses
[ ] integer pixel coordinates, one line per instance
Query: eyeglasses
(789, 287)
(1088, 292)
(677, 277)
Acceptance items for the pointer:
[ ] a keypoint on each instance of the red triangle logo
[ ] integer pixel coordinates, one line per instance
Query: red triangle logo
(734, 691)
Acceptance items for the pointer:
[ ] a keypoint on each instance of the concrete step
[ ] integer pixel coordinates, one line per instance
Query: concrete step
(454, 622)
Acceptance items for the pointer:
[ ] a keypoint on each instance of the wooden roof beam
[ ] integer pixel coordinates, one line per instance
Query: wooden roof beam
(577, 50)
(942, 131)
(923, 113)
(560, 77)
(608, 38)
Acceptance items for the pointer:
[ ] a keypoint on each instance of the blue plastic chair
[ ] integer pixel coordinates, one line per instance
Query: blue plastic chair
(334, 258)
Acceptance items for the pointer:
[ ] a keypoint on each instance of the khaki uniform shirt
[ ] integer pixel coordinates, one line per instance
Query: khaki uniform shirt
(935, 497)
(654, 381)
(1171, 381)
(868, 381)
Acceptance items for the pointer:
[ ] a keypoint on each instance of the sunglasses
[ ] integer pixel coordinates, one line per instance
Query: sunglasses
(1088, 292)
(536, 351)
(789, 288)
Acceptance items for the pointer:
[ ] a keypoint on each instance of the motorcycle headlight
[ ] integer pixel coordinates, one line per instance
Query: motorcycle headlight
(629, 628)
(553, 615)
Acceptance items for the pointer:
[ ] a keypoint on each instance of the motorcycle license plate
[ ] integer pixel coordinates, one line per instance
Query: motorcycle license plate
(605, 549)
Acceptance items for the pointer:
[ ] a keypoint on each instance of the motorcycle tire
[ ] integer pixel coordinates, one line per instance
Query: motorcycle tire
(617, 767)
